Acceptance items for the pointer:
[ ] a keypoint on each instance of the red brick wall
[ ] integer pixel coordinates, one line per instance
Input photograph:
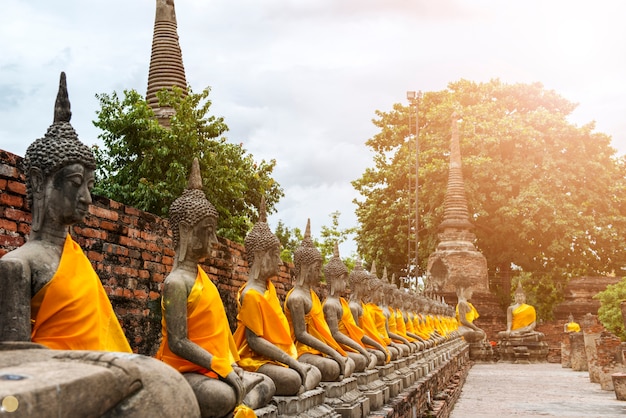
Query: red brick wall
(131, 251)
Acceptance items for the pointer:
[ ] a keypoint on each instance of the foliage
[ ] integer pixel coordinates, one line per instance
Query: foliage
(541, 292)
(610, 314)
(544, 195)
(289, 239)
(146, 165)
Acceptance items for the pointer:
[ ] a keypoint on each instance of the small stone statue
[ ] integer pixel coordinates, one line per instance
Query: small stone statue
(571, 326)
(520, 318)
(314, 341)
(390, 317)
(339, 317)
(466, 313)
(196, 336)
(359, 281)
(262, 335)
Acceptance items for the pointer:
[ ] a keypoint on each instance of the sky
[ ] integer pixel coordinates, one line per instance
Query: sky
(300, 81)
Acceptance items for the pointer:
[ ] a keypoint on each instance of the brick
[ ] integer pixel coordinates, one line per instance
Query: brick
(12, 200)
(17, 215)
(9, 171)
(154, 295)
(95, 256)
(11, 241)
(3, 184)
(15, 187)
(93, 233)
(8, 226)
(140, 294)
(104, 213)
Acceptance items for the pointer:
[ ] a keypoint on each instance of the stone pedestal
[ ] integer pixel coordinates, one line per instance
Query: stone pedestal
(346, 398)
(269, 411)
(590, 339)
(390, 378)
(309, 404)
(523, 350)
(566, 348)
(578, 357)
(406, 375)
(619, 385)
(372, 387)
(482, 352)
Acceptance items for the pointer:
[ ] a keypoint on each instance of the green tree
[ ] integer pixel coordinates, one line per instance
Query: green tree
(545, 195)
(609, 313)
(289, 239)
(146, 165)
(331, 234)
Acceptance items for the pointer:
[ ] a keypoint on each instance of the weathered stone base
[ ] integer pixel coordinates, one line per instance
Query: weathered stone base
(482, 352)
(522, 351)
(346, 398)
(309, 404)
(269, 411)
(372, 387)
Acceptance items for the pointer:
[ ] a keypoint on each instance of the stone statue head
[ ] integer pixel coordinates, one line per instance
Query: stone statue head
(261, 240)
(520, 296)
(307, 255)
(48, 156)
(358, 278)
(336, 271)
(190, 210)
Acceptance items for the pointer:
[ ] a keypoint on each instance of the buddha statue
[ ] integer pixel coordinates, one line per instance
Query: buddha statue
(262, 336)
(58, 331)
(466, 313)
(520, 318)
(196, 336)
(314, 341)
(408, 318)
(571, 326)
(339, 318)
(389, 313)
(373, 340)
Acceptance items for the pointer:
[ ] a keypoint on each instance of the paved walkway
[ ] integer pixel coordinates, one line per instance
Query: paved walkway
(533, 390)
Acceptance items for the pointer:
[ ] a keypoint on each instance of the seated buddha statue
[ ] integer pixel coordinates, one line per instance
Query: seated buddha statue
(196, 336)
(57, 325)
(339, 318)
(309, 329)
(466, 313)
(262, 336)
(520, 318)
(389, 313)
(374, 342)
(571, 326)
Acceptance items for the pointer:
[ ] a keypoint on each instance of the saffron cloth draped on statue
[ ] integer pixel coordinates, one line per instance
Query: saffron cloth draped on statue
(378, 316)
(523, 316)
(207, 326)
(348, 326)
(72, 311)
(469, 316)
(315, 325)
(262, 314)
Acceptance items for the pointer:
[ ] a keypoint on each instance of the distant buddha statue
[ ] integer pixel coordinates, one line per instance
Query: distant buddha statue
(341, 323)
(196, 336)
(361, 313)
(466, 313)
(51, 295)
(520, 318)
(309, 329)
(571, 326)
(262, 335)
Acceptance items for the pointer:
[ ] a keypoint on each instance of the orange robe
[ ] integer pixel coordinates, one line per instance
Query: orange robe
(207, 326)
(469, 316)
(72, 311)
(523, 316)
(420, 327)
(348, 326)
(263, 315)
(401, 325)
(315, 325)
(379, 321)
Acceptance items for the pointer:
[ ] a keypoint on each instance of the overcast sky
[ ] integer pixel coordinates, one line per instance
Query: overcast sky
(299, 81)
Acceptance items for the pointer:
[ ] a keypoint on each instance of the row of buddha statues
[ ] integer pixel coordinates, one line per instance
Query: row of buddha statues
(51, 298)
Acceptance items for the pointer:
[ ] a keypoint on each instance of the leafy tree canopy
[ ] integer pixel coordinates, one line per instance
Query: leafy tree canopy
(610, 314)
(146, 165)
(546, 197)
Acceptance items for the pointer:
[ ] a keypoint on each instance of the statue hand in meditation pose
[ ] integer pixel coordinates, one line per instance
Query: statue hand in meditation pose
(196, 336)
(339, 317)
(314, 341)
(520, 318)
(262, 336)
(466, 313)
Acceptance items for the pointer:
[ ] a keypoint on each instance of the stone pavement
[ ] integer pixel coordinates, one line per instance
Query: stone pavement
(533, 390)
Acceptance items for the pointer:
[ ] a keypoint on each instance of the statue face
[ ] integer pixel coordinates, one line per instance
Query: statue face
(203, 236)
(68, 194)
(270, 262)
(520, 298)
(340, 282)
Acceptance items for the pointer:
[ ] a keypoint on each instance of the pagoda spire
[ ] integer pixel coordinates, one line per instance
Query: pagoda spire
(166, 61)
(456, 225)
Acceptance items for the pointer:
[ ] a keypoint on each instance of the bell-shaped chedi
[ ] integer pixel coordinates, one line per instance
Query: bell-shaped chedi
(456, 260)
(166, 61)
